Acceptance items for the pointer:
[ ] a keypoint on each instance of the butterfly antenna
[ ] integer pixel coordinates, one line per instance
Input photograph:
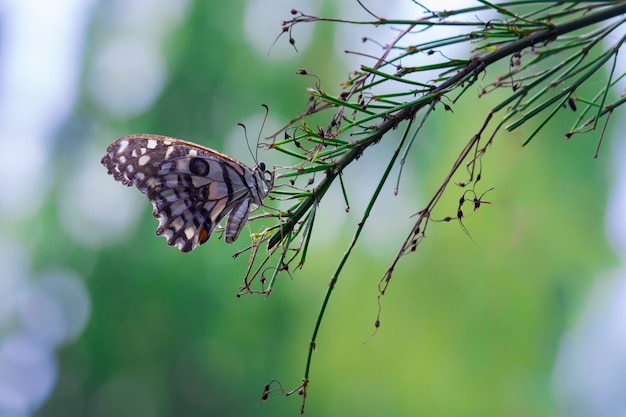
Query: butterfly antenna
(258, 139)
(245, 133)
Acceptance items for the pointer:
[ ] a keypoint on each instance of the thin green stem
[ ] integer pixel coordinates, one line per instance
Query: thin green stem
(346, 255)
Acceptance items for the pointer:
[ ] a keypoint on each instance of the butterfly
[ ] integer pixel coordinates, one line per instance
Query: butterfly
(192, 188)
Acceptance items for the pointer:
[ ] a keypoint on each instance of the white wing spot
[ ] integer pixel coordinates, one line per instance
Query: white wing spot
(167, 142)
(178, 224)
(193, 152)
(189, 232)
(130, 168)
(169, 234)
(152, 183)
(152, 143)
(121, 159)
(140, 176)
(123, 146)
(143, 160)
(169, 151)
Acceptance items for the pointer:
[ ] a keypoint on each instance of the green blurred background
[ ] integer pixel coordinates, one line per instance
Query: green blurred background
(469, 326)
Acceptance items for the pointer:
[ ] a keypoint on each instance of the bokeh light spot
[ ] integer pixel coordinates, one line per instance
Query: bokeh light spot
(134, 71)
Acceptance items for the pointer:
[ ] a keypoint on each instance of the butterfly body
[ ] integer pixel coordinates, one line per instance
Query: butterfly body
(192, 188)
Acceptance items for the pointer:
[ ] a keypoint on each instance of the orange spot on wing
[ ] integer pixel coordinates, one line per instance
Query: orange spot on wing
(203, 235)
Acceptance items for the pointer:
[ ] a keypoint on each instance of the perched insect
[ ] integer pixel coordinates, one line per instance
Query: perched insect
(192, 188)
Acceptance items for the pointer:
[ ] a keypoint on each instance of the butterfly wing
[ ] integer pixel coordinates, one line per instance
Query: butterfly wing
(192, 188)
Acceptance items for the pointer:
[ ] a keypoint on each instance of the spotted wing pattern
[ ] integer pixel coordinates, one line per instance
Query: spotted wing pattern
(192, 188)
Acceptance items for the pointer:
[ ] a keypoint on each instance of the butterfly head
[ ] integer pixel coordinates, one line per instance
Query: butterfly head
(268, 176)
